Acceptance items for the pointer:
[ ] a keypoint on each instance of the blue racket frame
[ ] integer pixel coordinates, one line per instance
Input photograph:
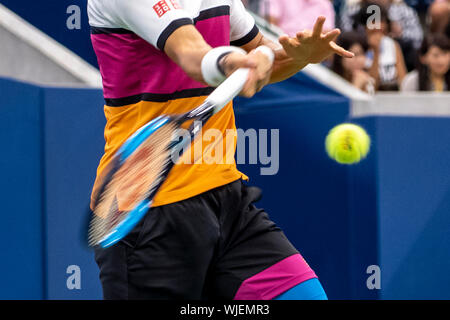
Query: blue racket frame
(134, 216)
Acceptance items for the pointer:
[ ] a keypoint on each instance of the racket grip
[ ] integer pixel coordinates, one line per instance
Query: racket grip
(228, 89)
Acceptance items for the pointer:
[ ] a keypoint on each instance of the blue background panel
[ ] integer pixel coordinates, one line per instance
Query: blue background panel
(414, 207)
(74, 124)
(21, 232)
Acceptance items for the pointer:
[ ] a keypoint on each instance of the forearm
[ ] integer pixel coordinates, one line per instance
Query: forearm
(284, 66)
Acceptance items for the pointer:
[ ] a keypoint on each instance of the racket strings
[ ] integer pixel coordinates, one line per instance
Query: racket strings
(133, 182)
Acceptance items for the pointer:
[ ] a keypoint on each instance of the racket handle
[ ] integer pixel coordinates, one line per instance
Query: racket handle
(228, 89)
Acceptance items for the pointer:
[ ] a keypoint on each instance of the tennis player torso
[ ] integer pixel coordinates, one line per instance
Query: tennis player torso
(140, 82)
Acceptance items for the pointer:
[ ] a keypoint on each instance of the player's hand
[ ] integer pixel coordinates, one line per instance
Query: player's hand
(260, 70)
(313, 46)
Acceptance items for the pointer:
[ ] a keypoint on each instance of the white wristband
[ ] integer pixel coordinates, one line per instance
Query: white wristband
(210, 64)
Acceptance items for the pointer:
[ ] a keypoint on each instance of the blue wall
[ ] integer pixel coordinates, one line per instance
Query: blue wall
(45, 187)
(21, 233)
(73, 135)
(390, 210)
(413, 188)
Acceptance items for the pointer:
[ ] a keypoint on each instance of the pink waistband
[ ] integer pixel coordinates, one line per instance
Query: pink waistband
(276, 279)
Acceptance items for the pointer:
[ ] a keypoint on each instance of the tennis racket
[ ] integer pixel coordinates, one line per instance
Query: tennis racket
(141, 165)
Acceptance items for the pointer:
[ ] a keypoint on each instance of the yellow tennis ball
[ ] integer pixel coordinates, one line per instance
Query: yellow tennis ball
(347, 143)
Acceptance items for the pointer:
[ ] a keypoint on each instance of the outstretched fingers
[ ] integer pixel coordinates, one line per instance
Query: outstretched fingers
(332, 35)
(341, 51)
(318, 26)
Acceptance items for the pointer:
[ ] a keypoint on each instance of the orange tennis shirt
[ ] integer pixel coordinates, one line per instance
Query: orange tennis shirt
(140, 82)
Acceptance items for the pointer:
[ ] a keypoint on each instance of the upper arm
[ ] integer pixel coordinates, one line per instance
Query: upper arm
(243, 29)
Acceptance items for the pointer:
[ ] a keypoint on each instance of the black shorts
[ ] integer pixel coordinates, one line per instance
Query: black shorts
(216, 245)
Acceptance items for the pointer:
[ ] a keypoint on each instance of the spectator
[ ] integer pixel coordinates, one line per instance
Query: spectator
(433, 68)
(439, 15)
(405, 24)
(353, 70)
(385, 58)
(293, 16)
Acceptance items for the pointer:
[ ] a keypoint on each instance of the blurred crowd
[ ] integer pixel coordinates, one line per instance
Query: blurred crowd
(399, 45)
